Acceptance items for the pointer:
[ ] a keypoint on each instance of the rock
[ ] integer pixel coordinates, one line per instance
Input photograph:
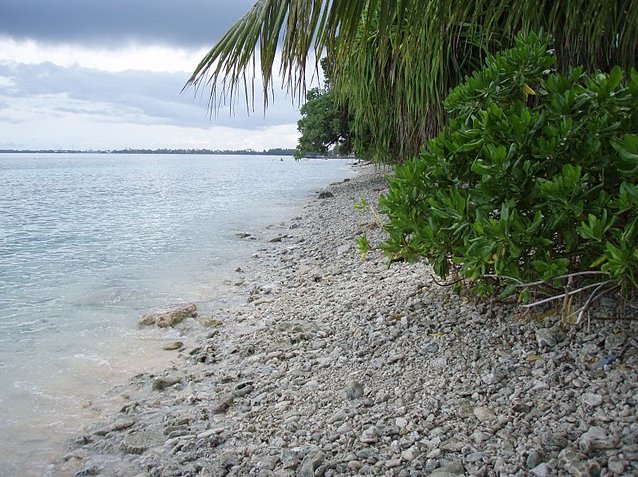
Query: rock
(169, 318)
(392, 463)
(354, 390)
(342, 249)
(161, 383)
(173, 345)
(267, 462)
(90, 470)
(546, 338)
(484, 414)
(279, 238)
(222, 403)
(325, 195)
(533, 459)
(242, 389)
(241, 235)
(118, 425)
(451, 470)
(138, 442)
(411, 453)
(210, 322)
(310, 463)
(542, 470)
(596, 438)
(574, 462)
(592, 400)
(615, 465)
(475, 457)
(344, 428)
(631, 452)
(452, 445)
(370, 435)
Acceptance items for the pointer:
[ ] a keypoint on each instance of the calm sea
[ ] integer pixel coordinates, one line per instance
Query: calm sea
(89, 242)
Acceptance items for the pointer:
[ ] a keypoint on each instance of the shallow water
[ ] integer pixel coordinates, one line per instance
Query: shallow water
(88, 243)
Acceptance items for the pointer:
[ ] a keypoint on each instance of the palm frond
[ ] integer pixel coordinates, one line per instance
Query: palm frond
(394, 60)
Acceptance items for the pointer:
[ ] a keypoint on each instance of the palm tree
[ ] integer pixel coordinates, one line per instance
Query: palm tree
(394, 60)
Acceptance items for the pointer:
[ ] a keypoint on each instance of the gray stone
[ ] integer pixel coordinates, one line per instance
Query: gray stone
(533, 459)
(484, 414)
(242, 389)
(592, 400)
(392, 463)
(342, 249)
(475, 457)
(411, 453)
(325, 195)
(222, 403)
(118, 425)
(451, 470)
(370, 435)
(546, 338)
(169, 318)
(173, 345)
(354, 390)
(310, 463)
(138, 442)
(542, 470)
(615, 465)
(596, 438)
(163, 382)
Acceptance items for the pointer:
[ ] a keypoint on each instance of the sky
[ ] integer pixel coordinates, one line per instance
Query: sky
(108, 74)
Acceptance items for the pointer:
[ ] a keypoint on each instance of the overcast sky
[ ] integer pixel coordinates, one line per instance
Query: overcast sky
(107, 74)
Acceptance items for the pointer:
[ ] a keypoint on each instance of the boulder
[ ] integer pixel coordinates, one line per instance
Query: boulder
(169, 318)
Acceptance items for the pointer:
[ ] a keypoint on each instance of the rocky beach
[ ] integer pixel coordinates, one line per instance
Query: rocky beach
(338, 366)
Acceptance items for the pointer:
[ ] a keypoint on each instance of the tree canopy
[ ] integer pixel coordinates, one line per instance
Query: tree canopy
(395, 60)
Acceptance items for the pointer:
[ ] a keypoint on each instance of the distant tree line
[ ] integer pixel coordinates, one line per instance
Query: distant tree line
(277, 151)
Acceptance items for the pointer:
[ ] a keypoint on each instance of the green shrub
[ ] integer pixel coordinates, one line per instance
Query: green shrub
(534, 177)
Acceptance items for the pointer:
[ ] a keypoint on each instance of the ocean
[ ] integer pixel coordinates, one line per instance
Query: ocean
(90, 242)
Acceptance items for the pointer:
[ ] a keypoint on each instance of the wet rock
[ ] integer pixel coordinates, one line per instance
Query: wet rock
(90, 470)
(118, 425)
(138, 442)
(169, 318)
(325, 195)
(161, 383)
(173, 345)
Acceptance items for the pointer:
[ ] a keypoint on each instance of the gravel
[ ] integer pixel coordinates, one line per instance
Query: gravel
(338, 366)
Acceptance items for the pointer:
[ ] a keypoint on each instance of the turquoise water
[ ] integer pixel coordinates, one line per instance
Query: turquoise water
(88, 243)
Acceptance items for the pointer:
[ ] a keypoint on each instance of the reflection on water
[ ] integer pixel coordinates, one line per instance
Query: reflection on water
(90, 242)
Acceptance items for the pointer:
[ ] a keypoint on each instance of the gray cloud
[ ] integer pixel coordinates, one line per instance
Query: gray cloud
(150, 98)
(188, 23)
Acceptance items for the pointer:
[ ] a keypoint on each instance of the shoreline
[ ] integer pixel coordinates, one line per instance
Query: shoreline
(337, 366)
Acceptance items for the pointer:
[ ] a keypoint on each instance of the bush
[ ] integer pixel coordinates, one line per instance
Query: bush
(534, 177)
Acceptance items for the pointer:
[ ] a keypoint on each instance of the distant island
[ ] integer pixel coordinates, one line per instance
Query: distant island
(278, 151)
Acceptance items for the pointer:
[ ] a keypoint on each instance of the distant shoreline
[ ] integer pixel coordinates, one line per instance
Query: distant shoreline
(245, 152)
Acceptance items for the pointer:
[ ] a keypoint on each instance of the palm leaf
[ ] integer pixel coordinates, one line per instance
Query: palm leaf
(393, 61)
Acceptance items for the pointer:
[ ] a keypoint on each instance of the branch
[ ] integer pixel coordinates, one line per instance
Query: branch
(563, 295)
